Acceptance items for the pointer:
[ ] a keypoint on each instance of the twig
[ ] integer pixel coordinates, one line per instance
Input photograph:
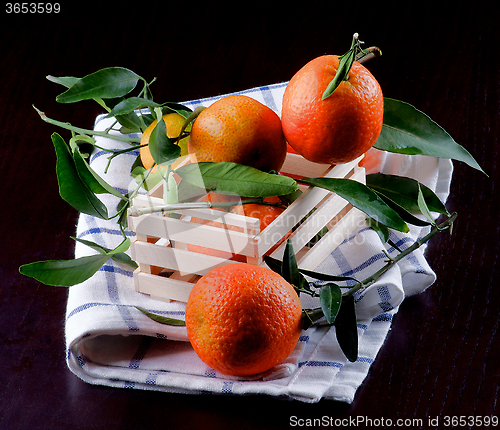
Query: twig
(84, 130)
(371, 279)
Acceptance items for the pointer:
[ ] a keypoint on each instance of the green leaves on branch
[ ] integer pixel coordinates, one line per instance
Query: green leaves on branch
(72, 186)
(233, 178)
(404, 191)
(78, 186)
(363, 198)
(406, 130)
(106, 83)
(390, 201)
(345, 64)
(65, 273)
(162, 149)
(337, 307)
(78, 183)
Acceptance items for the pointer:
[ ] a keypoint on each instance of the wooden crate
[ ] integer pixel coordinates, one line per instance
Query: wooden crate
(168, 270)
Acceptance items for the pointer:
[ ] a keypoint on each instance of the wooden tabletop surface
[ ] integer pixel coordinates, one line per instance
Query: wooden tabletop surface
(441, 358)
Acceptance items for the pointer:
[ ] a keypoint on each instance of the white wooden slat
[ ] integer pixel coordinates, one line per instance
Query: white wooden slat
(163, 288)
(176, 259)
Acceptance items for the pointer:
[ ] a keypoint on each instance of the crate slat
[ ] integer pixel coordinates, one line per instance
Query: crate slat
(162, 288)
(175, 259)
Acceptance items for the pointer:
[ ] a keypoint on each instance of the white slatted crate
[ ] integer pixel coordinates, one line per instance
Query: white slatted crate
(168, 269)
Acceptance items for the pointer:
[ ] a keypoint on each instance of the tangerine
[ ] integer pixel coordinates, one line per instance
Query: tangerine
(243, 319)
(173, 123)
(241, 130)
(339, 128)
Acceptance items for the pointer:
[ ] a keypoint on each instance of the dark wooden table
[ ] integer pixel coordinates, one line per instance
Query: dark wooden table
(441, 359)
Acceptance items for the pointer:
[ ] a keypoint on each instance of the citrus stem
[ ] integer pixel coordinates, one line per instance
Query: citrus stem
(367, 54)
(67, 126)
(189, 205)
(392, 261)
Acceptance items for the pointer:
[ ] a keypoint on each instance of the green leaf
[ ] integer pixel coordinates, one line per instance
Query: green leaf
(172, 107)
(130, 105)
(91, 179)
(345, 65)
(161, 319)
(407, 216)
(274, 264)
(130, 123)
(346, 329)
(330, 297)
(326, 277)
(64, 273)
(423, 206)
(404, 191)
(406, 130)
(104, 84)
(381, 229)
(233, 178)
(162, 149)
(117, 254)
(290, 270)
(363, 198)
(66, 81)
(71, 187)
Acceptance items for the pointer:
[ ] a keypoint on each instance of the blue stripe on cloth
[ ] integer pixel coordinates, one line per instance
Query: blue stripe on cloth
(314, 363)
(369, 262)
(342, 262)
(139, 355)
(114, 269)
(385, 317)
(227, 387)
(385, 297)
(368, 360)
(268, 98)
(151, 379)
(91, 305)
(210, 373)
(84, 307)
(101, 153)
(270, 88)
(101, 230)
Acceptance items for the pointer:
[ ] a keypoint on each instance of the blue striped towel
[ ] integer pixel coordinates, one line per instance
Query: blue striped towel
(111, 343)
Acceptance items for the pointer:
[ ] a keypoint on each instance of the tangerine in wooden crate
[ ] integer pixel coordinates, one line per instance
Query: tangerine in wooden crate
(168, 269)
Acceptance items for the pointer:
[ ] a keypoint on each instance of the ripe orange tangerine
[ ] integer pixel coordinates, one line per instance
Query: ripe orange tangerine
(241, 130)
(339, 128)
(243, 319)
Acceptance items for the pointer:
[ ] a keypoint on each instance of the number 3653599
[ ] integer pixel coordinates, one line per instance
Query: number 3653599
(32, 7)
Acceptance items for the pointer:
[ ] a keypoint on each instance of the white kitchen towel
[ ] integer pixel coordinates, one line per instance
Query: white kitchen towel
(109, 342)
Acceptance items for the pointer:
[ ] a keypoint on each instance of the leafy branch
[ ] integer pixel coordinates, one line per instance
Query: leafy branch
(337, 307)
